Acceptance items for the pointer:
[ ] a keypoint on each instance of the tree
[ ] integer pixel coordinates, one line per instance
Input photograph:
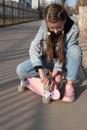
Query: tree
(82, 2)
(63, 2)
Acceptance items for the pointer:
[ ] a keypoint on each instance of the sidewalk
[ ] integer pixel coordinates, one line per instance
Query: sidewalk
(25, 111)
(83, 44)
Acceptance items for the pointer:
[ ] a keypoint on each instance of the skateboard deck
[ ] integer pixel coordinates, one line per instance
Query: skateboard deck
(36, 86)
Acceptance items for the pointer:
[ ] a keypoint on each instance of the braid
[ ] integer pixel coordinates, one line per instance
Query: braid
(49, 50)
(61, 53)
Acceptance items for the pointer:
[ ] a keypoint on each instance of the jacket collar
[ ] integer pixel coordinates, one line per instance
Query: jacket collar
(68, 25)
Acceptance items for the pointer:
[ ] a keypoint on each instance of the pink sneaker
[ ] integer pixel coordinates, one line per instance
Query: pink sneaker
(69, 95)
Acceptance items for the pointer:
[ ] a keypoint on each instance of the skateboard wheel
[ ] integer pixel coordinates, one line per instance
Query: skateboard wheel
(46, 101)
(21, 88)
(46, 97)
(46, 88)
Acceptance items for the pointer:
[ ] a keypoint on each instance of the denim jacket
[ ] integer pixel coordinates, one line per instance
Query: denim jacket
(37, 49)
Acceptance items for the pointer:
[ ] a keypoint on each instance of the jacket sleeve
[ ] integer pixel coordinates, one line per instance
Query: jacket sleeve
(72, 36)
(58, 66)
(36, 50)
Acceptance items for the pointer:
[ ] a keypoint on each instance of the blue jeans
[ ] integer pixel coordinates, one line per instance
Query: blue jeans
(73, 63)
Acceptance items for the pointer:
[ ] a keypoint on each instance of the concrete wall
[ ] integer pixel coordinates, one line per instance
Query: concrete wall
(34, 4)
(83, 18)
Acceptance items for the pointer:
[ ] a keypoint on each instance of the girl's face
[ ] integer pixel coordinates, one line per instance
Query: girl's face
(55, 27)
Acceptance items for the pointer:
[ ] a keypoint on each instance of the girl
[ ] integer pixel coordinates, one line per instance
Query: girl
(55, 46)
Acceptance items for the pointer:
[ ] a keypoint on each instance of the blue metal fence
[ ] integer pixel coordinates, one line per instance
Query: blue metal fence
(13, 13)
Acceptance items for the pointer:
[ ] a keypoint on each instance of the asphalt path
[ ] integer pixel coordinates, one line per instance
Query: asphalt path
(25, 110)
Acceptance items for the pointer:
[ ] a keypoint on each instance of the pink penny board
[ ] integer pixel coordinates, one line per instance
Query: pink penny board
(36, 86)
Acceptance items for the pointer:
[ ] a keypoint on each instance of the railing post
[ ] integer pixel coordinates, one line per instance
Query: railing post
(3, 12)
(12, 11)
(18, 12)
(22, 13)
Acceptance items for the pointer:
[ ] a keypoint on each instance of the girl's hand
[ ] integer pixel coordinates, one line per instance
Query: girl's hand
(51, 82)
(43, 77)
(47, 80)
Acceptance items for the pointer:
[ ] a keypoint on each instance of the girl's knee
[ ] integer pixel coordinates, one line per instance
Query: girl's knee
(74, 52)
(19, 70)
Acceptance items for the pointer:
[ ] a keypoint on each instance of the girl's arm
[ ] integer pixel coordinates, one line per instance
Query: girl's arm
(43, 76)
(36, 50)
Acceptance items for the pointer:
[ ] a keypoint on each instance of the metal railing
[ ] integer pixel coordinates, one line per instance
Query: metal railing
(13, 13)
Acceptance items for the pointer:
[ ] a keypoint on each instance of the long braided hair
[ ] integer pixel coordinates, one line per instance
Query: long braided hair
(55, 13)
